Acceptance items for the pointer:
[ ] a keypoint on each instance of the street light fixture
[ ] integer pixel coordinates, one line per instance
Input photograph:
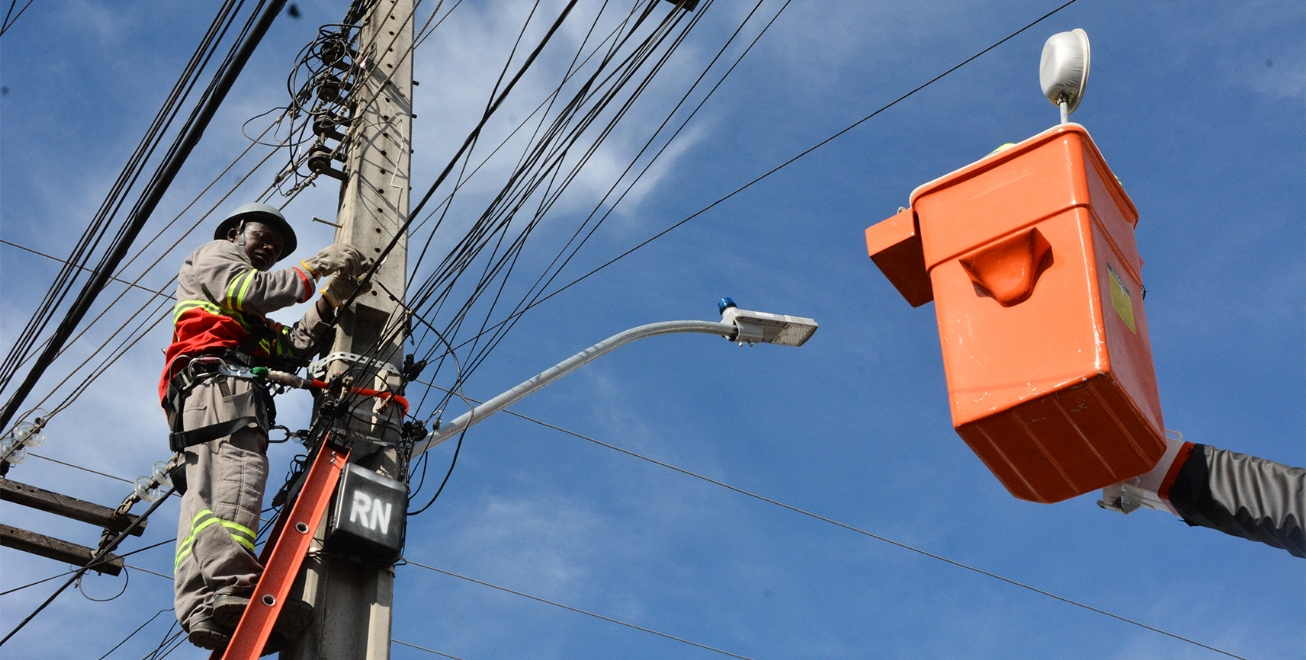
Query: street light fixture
(738, 325)
(1063, 70)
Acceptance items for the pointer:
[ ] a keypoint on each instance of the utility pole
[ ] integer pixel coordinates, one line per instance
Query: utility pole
(353, 599)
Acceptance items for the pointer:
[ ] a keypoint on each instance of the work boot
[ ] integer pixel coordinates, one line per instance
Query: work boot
(277, 642)
(296, 615)
(208, 634)
(228, 608)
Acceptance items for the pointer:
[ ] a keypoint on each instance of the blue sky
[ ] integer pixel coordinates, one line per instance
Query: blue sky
(1198, 107)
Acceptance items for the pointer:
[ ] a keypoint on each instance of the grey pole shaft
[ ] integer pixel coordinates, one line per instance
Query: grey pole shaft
(565, 367)
(354, 601)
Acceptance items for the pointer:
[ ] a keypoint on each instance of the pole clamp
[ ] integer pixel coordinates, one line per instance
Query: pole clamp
(318, 368)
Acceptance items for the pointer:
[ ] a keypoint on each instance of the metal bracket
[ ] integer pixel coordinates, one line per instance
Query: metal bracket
(318, 368)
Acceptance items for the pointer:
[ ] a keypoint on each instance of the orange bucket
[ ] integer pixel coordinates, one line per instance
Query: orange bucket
(1029, 255)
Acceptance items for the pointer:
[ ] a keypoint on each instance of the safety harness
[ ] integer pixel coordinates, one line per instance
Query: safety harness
(201, 370)
(209, 367)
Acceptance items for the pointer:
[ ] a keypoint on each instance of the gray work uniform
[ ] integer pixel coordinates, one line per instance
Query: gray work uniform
(1243, 496)
(219, 291)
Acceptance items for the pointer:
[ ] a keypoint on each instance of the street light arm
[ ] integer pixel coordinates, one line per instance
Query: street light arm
(478, 414)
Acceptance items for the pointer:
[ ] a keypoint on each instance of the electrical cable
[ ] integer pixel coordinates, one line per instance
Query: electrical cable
(546, 203)
(126, 580)
(135, 283)
(150, 198)
(154, 573)
(800, 155)
(83, 469)
(542, 299)
(105, 549)
(133, 633)
(131, 172)
(141, 331)
(574, 609)
(6, 24)
(858, 530)
(74, 570)
(514, 248)
(501, 331)
(423, 648)
(132, 285)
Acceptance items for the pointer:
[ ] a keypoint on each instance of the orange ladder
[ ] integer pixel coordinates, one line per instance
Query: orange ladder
(284, 553)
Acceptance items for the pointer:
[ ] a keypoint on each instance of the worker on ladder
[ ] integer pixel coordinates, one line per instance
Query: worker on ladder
(224, 290)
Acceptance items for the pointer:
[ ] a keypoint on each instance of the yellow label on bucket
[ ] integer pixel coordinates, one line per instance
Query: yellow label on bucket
(1120, 300)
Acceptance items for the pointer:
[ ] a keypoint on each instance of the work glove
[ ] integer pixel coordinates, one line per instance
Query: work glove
(341, 287)
(334, 259)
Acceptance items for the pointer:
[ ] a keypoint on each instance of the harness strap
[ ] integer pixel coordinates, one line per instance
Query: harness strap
(180, 440)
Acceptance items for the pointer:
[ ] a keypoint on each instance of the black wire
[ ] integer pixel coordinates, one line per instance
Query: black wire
(126, 580)
(175, 639)
(457, 448)
(471, 138)
(133, 633)
(513, 252)
(458, 263)
(511, 256)
(587, 275)
(4, 27)
(59, 575)
(99, 556)
(190, 135)
(94, 231)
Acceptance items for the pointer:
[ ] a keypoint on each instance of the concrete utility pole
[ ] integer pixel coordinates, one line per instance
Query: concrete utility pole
(353, 600)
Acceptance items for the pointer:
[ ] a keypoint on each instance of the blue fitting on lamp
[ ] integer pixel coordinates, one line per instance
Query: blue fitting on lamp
(724, 304)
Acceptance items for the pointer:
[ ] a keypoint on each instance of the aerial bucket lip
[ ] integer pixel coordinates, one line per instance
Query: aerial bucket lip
(999, 157)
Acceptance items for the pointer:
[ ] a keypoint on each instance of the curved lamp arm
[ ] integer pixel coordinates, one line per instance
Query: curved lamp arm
(478, 414)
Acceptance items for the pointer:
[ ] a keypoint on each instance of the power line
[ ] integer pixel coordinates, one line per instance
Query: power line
(146, 570)
(78, 467)
(850, 528)
(74, 570)
(80, 267)
(773, 170)
(105, 549)
(6, 24)
(423, 648)
(133, 633)
(96, 230)
(500, 331)
(142, 329)
(151, 196)
(574, 609)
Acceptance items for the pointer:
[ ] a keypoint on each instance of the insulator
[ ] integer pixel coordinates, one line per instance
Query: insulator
(29, 435)
(325, 127)
(335, 50)
(319, 162)
(146, 490)
(330, 89)
(16, 452)
(161, 475)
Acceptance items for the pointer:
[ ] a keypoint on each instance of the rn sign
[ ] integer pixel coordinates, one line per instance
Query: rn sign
(368, 515)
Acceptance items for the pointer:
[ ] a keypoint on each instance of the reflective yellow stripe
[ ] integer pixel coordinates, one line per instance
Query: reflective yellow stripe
(240, 528)
(187, 305)
(236, 289)
(242, 534)
(247, 542)
(244, 288)
(184, 548)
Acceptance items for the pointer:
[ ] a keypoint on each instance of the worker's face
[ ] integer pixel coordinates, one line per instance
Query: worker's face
(263, 244)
